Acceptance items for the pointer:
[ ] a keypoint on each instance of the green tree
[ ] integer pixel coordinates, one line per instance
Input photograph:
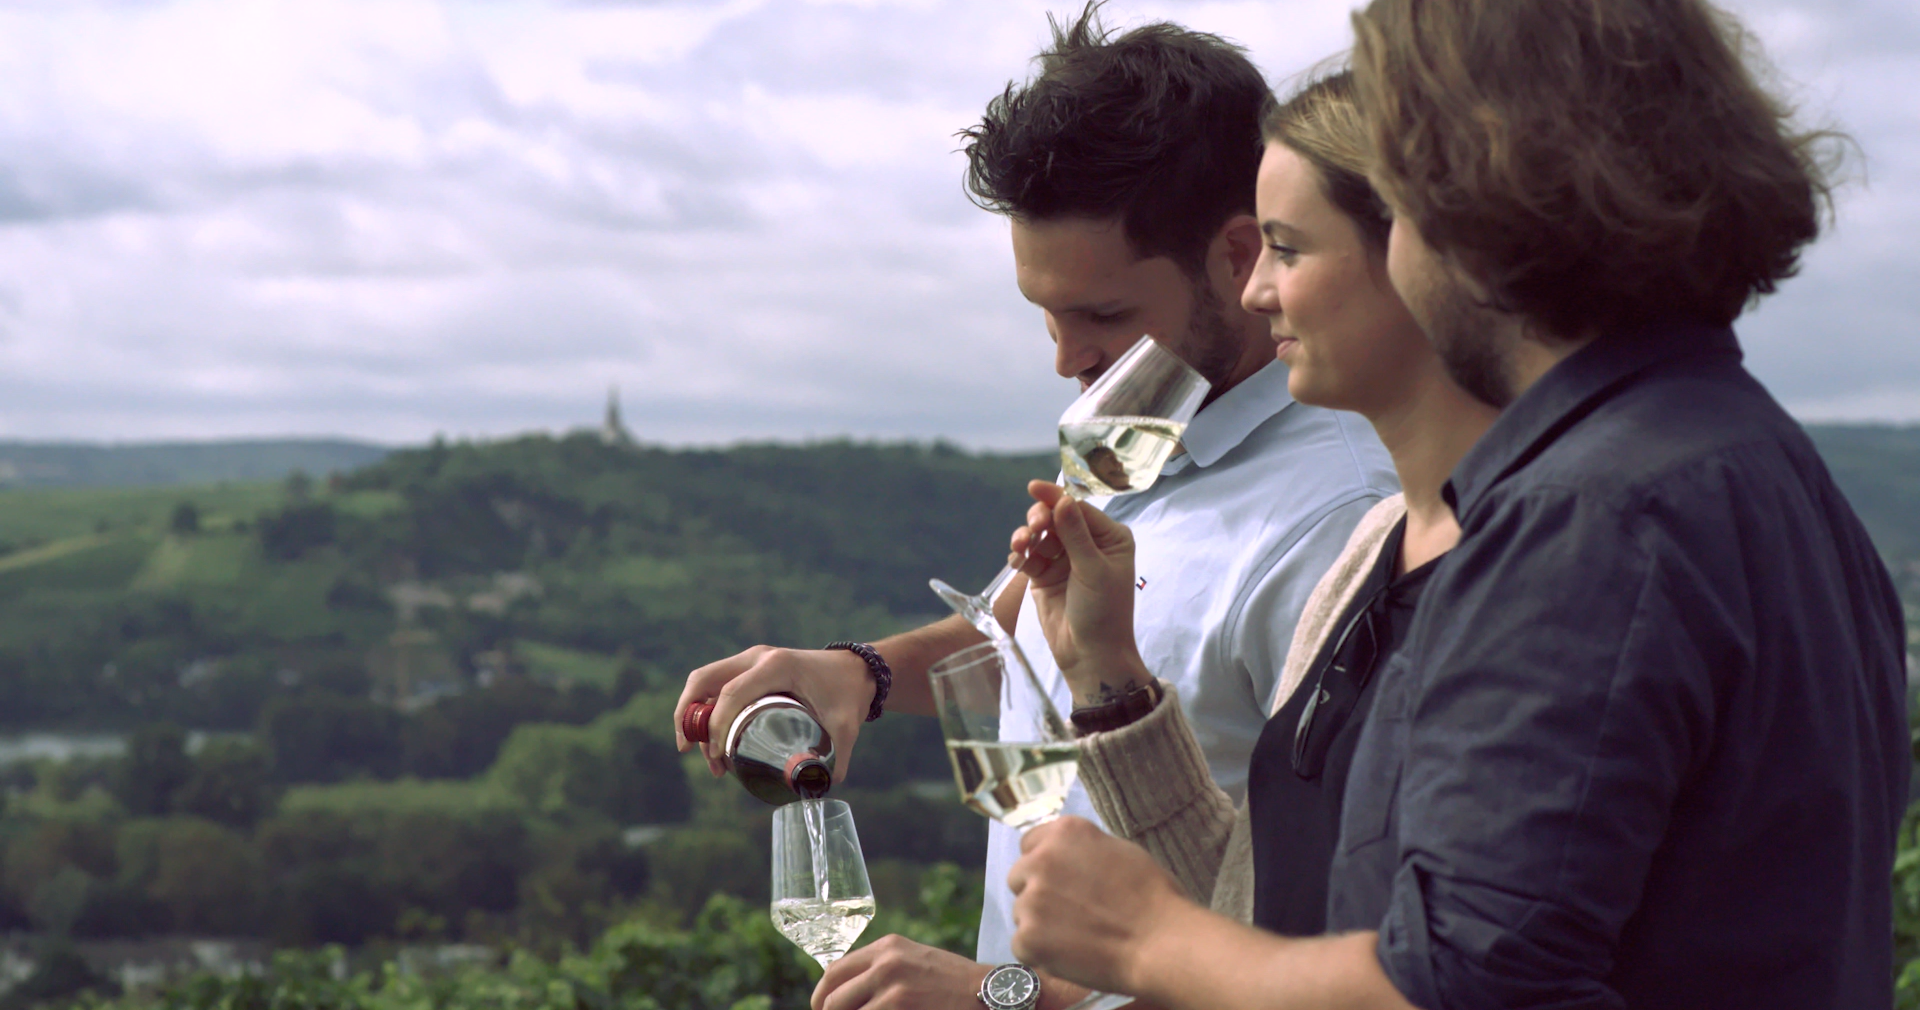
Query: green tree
(207, 876)
(648, 783)
(293, 531)
(231, 784)
(59, 974)
(551, 768)
(155, 767)
(186, 519)
(320, 737)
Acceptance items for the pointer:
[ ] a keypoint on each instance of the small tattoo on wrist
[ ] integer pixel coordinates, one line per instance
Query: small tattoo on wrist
(1110, 693)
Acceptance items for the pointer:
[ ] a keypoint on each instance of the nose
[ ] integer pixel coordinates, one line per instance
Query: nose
(1074, 354)
(1261, 295)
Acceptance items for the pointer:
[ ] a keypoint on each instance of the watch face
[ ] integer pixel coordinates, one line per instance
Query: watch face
(1010, 986)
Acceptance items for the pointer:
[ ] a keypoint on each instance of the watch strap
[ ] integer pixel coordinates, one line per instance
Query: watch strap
(1130, 707)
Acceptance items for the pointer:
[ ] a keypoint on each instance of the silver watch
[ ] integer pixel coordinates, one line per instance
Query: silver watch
(1010, 987)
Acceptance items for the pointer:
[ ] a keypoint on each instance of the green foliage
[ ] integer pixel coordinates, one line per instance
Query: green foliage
(300, 527)
(559, 664)
(1906, 914)
(205, 876)
(59, 974)
(324, 737)
(614, 769)
(155, 768)
(727, 957)
(185, 520)
(231, 784)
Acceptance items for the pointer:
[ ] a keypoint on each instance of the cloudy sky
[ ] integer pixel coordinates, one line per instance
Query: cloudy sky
(392, 218)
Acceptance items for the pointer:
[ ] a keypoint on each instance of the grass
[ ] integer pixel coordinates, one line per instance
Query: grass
(206, 559)
(30, 517)
(51, 552)
(90, 563)
(653, 575)
(289, 601)
(399, 796)
(368, 504)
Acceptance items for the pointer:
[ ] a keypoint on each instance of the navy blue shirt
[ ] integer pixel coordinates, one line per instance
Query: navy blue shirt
(1646, 745)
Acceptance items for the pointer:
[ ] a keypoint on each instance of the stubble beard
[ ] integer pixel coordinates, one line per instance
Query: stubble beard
(1464, 333)
(1211, 345)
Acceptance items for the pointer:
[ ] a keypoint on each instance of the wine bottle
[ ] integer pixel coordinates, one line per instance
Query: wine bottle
(776, 748)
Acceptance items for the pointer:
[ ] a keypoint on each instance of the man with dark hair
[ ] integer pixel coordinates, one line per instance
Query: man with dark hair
(1646, 745)
(1126, 168)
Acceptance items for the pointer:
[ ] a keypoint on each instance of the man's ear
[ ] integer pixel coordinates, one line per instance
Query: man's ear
(1239, 242)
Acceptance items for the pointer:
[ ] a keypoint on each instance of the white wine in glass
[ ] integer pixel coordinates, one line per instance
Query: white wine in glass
(1114, 439)
(822, 900)
(1013, 764)
(1017, 784)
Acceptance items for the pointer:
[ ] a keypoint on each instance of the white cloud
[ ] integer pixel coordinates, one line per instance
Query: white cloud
(388, 218)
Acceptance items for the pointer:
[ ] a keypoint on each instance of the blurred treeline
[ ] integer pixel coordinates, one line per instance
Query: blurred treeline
(429, 700)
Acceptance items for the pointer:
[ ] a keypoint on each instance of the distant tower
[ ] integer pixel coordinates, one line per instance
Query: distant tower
(612, 432)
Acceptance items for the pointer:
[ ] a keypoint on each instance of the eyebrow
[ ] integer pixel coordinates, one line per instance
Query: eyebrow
(1106, 308)
(1280, 230)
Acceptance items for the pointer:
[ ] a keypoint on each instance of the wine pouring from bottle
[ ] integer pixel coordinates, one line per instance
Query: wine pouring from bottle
(775, 747)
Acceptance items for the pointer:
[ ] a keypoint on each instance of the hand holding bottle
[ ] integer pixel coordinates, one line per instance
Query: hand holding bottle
(834, 684)
(775, 747)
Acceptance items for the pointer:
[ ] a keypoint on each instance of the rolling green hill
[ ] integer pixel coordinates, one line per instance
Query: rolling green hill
(561, 558)
(564, 559)
(58, 464)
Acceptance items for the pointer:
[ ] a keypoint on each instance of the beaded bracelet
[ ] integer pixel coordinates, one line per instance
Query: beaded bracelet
(882, 674)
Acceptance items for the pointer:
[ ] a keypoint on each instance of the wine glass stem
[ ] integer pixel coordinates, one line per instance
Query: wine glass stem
(991, 594)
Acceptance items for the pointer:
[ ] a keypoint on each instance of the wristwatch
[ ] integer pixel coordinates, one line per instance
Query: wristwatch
(1010, 987)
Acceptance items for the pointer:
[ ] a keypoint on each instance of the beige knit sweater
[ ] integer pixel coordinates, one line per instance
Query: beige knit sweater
(1149, 781)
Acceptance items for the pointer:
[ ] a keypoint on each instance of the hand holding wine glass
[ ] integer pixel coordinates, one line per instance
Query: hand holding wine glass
(1082, 580)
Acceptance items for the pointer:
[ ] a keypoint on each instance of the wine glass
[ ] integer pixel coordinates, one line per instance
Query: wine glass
(1113, 440)
(1015, 769)
(822, 900)
(1013, 764)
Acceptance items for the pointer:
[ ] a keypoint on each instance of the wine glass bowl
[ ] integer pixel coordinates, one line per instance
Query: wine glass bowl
(1015, 765)
(822, 900)
(1114, 440)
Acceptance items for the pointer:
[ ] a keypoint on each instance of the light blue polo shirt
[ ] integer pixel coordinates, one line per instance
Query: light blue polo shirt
(1228, 545)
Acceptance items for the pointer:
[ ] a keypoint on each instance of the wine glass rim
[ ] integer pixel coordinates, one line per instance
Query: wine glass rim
(1159, 348)
(962, 659)
(828, 808)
